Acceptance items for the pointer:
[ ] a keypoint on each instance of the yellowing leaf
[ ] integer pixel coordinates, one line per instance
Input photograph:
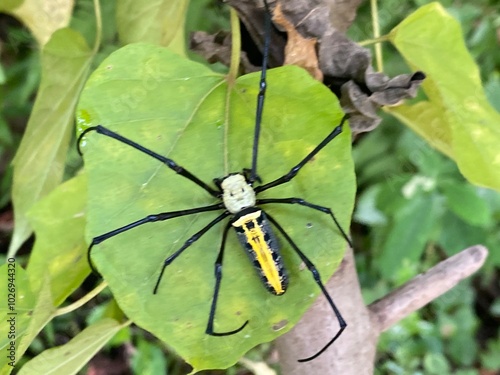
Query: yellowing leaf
(42, 17)
(159, 22)
(457, 118)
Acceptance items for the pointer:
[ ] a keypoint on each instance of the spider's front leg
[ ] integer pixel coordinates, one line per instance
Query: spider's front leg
(293, 172)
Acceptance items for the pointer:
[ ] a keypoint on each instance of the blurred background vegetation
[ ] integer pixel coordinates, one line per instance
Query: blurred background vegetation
(410, 197)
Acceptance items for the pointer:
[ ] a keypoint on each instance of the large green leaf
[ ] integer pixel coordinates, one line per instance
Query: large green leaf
(185, 111)
(39, 162)
(457, 118)
(57, 265)
(60, 252)
(39, 316)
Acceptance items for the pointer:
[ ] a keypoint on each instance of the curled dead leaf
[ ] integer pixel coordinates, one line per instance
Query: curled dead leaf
(299, 51)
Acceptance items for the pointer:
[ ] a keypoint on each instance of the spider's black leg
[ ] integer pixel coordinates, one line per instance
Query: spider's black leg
(195, 237)
(311, 267)
(302, 202)
(168, 162)
(293, 172)
(218, 278)
(261, 96)
(148, 219)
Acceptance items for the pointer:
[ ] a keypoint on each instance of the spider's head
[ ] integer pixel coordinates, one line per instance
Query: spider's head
(237, 193)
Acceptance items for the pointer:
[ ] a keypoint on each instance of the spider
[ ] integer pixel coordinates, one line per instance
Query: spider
(238, 198)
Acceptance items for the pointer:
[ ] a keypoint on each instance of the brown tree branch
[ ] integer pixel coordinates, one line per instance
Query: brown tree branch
(319, 324)
(354, 352)
(426, 287)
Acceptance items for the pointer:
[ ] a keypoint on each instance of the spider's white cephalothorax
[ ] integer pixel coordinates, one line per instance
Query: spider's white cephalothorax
(237, 193)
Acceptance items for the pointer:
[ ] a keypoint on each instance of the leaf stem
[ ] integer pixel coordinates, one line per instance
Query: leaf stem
(383, 38)
(235, 47)
(231, 78)
(376, 35)
(82, 301)
(98, 29)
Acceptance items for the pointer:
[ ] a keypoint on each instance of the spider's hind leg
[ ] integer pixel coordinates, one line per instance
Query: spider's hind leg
(195, 237)
(218, 279)
(311, 267)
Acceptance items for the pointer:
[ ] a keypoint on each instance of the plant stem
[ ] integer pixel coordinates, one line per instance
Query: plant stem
(98, 29)
(82, 301)
(376, 35)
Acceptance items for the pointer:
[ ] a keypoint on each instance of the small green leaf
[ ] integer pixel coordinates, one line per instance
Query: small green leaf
(464, 201)
(412, 227)
(436, 363)
(493, 92)
(463, 348)
(148, 359)
(366, 209)
(469, 235)
(68, 359)
(39, 162)
(470, 371)
(490, 358)
(186, 112)
(457, 118)
(3, 78)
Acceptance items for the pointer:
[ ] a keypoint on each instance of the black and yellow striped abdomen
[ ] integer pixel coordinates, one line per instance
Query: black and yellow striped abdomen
(257, 238)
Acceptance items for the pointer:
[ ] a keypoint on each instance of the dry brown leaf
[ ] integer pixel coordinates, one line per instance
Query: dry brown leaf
(299, 51)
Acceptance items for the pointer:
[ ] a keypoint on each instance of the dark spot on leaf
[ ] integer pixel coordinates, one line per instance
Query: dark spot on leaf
(309, 225)
(109, 67)
(278, 326)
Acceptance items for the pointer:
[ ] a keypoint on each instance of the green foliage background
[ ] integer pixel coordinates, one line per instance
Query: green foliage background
(414, 206)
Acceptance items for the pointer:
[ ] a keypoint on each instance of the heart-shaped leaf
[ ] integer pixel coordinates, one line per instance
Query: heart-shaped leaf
(205, 122)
